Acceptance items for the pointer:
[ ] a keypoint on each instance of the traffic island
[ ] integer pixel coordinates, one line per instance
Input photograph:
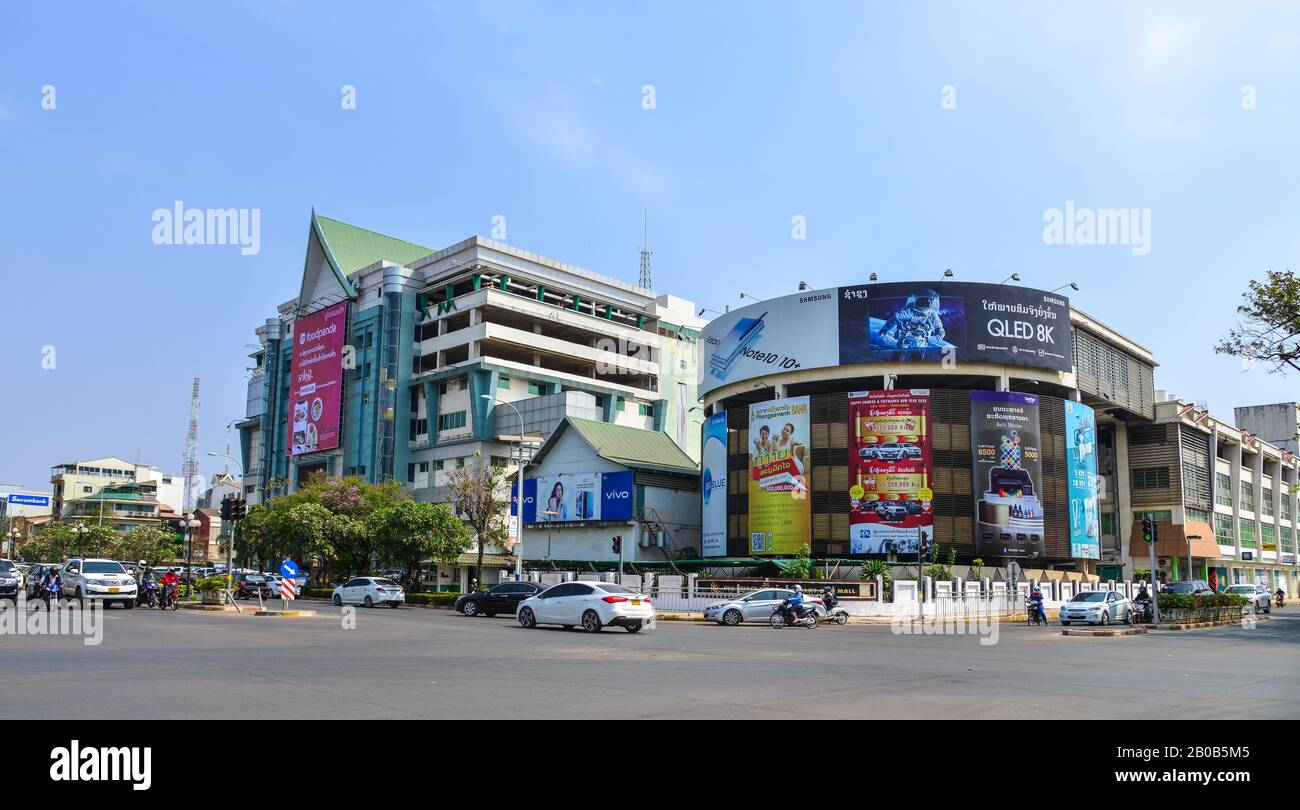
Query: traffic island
(287, 614)
(1104, 632)
(207, 606)
(1207, 625)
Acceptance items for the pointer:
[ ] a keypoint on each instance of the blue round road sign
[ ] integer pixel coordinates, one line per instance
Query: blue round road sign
(288, 568)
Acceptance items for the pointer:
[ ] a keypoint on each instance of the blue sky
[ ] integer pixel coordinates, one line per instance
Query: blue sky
(533, 110)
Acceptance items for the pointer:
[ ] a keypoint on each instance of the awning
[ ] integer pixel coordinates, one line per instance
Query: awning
(1171, 540)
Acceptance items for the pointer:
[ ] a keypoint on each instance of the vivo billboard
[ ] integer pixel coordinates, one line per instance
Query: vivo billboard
(577, 498)
(316, 381)
(888, 323)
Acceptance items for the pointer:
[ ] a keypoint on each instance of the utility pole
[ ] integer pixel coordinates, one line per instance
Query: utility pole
(190, 462)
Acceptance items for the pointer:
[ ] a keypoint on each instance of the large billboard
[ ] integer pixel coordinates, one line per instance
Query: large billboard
(713, 487)
(316, 381)
(780, 510)
(1081, 475)
(888, 323)
(578, 498)
(1008, 474)
(890, 500)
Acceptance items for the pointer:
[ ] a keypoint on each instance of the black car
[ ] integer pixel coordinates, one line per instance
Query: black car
(503, 598)
(248, 584)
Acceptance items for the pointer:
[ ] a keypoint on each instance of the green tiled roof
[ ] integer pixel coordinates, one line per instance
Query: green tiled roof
(354, 248)
(634, 447)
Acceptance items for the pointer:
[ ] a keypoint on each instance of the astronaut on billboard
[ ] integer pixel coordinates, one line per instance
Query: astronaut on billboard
(916, 325)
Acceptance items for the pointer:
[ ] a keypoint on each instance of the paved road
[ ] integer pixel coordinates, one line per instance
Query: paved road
(419, 663)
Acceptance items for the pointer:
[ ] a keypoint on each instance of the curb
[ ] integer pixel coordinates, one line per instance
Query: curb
(1107, 633)
(1205, 625)
(286, 614)
(207, 608)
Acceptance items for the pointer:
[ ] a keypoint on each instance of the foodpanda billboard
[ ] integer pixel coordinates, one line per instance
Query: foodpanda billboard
(888, 323)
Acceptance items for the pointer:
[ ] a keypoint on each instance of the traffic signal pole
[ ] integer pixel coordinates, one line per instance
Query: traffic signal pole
(1151, 533)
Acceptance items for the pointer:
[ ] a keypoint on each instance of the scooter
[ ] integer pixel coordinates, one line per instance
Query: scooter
(806, 615)
(835, 614)
(1142, 612)
(167, 598)
(1278, 599)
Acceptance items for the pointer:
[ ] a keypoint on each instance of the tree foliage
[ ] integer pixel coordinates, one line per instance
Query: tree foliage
(55, 542)
(1269, 327)
(478, 494)
(409, 533)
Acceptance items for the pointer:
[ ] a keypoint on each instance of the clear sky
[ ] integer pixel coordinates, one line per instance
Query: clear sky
(536, 111)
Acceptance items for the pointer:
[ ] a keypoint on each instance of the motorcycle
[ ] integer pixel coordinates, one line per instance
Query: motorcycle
(1278, 599)
(806, 616)
(835, 614)
(148, 594)
(1032, 615)
(167, 598)
(1142, 613)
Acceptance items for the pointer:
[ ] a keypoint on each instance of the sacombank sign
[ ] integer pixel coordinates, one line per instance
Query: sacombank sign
(902, 322)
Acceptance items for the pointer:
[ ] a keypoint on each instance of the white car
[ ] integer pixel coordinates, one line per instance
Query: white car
(1097, 607)
(755, 606)
(590, 604)
(369, 591)
(1261, 601)
(105, 580)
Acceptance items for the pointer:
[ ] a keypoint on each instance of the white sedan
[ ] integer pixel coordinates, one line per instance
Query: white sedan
(1097, 607)
(590, 604)
(369, 591)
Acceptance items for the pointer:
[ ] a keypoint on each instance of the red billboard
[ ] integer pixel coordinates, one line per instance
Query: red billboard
(316, 381)
(890, 500)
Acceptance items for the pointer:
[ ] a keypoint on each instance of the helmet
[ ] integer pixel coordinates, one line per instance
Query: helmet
(799, 588)
(142, 562)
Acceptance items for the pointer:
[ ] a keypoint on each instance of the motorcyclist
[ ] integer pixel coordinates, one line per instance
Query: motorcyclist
(52, 587)
(171, 585)
(146, 583)
(1143, 599)
(793, 604)
(1036, 604)
(829, 599)
(1280, 595)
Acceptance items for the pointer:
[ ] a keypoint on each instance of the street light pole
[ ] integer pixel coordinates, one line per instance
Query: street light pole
(519, 491)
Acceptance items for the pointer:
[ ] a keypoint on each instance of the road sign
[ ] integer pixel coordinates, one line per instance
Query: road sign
(288, 589)
(289, 568)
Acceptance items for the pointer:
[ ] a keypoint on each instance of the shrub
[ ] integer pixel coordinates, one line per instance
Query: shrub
(441, 599)
(210, 584)
(316, 593)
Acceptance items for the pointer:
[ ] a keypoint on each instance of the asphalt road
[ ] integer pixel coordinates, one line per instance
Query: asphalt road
(420, 663)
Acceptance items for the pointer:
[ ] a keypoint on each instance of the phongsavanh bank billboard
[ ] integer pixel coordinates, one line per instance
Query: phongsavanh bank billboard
(888, 323)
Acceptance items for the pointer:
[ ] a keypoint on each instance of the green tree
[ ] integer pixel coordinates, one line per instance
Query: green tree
(879, 568)
(409, 533)
(477, 493)
(1269, 327)
(149, 543)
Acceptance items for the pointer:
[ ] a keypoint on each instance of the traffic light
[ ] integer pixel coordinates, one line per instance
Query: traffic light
(618, 544)
(226, 510)
(238, 508)
(1148, 529)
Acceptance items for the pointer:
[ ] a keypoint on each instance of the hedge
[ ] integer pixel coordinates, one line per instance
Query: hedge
(442, 599)
(1185, 606)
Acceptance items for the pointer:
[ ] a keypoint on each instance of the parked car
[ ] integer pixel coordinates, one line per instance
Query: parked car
(590, 604)
(1196, 587)
(1097, 607)
(755, 606)
(369, 591)
(105, 580)
(1261, 601)
(503, 598)
(247, 585)
(11, 580)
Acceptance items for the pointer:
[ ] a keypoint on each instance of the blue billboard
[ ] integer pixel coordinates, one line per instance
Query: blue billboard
(18, 499)
(1081, 479)
(577, 498)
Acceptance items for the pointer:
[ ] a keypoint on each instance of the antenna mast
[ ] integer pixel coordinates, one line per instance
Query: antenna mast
(190, 463)
(645, 254)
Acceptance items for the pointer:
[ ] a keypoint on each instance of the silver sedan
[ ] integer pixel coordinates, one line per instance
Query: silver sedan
(1097, 607)
(755, 606)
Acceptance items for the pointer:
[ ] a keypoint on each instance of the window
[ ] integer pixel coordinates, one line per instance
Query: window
(503, 382)
(645, 410)
(1247, 496)
(1223, 530)
(1222, 489)
(419, 427)
(1286, 505)
(600, 400)
(1198, 514)
(1268, 536)
(1108, 523)
(1267, 505)
(1288, 539)
(534, 389)
(451, 421)
(1150, 478)
(437, 465)
(1247, 530)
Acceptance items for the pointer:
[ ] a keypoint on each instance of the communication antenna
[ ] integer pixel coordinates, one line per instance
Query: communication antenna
(190, 463)
(645, 253)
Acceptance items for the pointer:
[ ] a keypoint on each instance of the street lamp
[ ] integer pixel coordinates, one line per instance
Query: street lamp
(81, 531)
(947, 273)
(189, 524)
(519, 490)
(1012, 277)
(745, 295)
(14, 537)
(1072, 285)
